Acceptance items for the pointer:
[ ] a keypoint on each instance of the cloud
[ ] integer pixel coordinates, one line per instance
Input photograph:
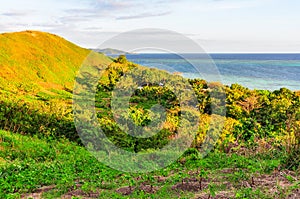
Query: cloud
(73, 19)
(85, 38)
(93, 28)
(119, 10)
(132, 4)
(3, 28)
(46, 25)
(143, 15)
(114, 5)
(16, 13)
(101, 8)
(18, 25)
(236, 4)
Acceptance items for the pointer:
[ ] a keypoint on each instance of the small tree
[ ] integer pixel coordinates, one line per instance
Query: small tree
(121, 59)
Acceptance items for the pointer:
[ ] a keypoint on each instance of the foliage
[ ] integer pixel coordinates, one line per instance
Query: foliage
(28, 163)
(45, 120)
(35, 100)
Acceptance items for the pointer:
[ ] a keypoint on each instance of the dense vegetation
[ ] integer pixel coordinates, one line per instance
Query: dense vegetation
(255, 119)
(255, 133)
(59, 168)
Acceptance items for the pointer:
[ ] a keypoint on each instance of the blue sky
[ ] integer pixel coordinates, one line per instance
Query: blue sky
(217, 25)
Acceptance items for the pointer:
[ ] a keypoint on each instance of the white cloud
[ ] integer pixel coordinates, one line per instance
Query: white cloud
(143, 15)
(16, 13)
(90, 22)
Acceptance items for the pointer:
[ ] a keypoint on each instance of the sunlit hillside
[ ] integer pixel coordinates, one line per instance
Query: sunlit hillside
(40, 58)
(238, 143)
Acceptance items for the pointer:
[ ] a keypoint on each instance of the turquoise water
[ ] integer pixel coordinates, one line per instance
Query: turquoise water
(255, 71)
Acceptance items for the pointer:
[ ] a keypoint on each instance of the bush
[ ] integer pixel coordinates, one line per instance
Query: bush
(21, 117)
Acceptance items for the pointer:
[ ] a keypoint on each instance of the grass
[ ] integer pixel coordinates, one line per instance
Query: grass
(58, 168)
(44, 164)
(44, 59)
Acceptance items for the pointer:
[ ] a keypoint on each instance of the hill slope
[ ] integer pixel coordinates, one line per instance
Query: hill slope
(39, 58)
(111, 51)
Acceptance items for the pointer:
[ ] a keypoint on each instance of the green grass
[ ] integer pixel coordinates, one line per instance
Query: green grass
(28, 164)
(38, 160)
(40, 59)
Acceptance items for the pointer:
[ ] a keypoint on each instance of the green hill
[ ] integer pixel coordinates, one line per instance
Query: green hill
(42, 155)
(39, 58)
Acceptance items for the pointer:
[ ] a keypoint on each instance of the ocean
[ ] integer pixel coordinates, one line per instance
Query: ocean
(255, 71)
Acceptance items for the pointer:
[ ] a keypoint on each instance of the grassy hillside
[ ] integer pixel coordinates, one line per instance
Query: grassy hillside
(37, 75)
(255, 154)
(40, 58)
(40, 168)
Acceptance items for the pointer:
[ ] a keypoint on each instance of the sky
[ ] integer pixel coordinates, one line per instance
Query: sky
(216, 25)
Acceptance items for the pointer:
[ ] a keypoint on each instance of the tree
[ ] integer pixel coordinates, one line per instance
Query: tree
(122, 59)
